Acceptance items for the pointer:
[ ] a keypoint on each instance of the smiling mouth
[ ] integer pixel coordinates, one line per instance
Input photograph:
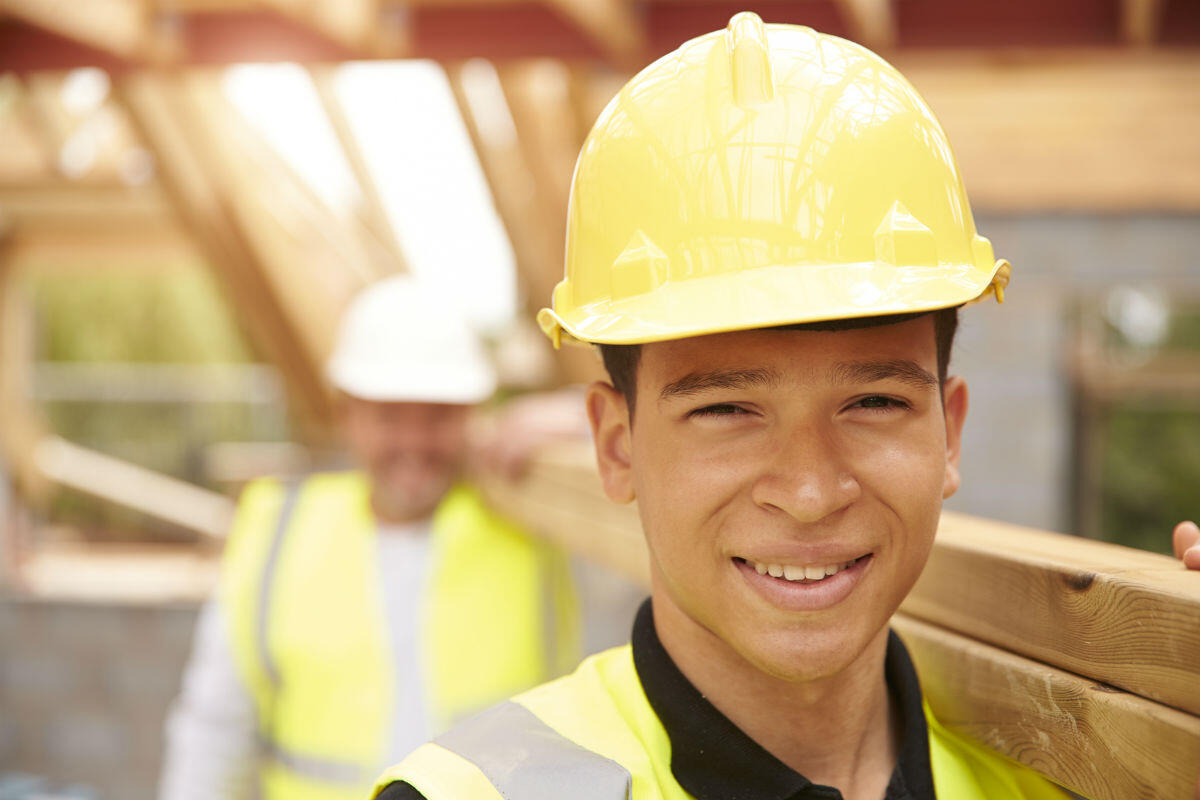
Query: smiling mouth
(808, 573)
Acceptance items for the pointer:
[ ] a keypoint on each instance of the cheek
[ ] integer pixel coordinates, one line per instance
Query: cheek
(683, 491)
(906, 477)
(450, 443)
(908, 465)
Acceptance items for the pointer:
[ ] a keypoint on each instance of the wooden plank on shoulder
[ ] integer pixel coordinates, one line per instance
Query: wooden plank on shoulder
(1092, 738)
(1114, 614)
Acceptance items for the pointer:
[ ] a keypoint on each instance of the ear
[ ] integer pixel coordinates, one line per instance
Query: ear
(608, 414)
(954, 409)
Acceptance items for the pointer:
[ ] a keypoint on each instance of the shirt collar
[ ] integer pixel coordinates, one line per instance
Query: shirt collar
(714, 760)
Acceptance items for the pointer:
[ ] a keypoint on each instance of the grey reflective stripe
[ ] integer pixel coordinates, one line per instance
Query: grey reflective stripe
(321, 769)
(291, 492)
(526, 759)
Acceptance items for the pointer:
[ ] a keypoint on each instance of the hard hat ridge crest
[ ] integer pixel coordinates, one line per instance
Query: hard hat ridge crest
(750, 62)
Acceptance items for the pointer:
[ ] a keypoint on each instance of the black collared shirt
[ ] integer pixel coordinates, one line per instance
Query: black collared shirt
(714, 760)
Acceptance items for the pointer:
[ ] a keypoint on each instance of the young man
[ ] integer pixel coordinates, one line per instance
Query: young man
(769, 241)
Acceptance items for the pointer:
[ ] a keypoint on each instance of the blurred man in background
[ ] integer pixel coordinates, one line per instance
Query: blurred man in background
(358, 612)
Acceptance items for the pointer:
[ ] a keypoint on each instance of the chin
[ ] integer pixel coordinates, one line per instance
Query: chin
(803, 655)
(411, 503)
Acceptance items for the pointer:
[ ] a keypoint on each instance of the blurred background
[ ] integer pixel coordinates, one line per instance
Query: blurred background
(191, 190)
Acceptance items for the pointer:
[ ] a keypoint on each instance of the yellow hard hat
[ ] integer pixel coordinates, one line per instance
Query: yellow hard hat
(764, 175)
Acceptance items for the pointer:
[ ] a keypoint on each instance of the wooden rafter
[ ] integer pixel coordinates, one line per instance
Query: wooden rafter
(1036, 130)
(871, 22)
(360, 26)
(334, 245)
(510, 183)
(20, 425)
(160, 107)
(46, 115)
(591, 90)
(625, 32)
(123, 28)
(116, 26)
(63, 223)
(537, 94)
(514, 197)
(1140, 21)
(25, 153)
(612, 24)
(548, 138)
(58, 206)
(97, 249)
(381, 233)
(131, 486)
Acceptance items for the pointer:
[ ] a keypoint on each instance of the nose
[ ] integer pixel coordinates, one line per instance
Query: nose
(806, 477)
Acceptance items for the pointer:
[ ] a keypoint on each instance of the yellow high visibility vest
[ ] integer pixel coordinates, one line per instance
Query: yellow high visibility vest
(593, 735)
(304, 607)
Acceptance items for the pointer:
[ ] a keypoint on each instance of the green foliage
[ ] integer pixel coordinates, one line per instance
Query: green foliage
(173, 315)
(1184, 330)
(1151, 477)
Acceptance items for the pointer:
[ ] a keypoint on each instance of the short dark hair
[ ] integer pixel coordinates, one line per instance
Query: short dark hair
(621, 360)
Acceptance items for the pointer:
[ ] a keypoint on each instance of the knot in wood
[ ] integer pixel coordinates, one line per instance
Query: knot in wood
(1079, 581)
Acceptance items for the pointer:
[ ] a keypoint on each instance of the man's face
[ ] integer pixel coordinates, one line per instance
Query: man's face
(412, 451)
(817, 452)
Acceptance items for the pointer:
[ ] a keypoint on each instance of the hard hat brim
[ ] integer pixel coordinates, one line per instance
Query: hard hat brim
(769, 297)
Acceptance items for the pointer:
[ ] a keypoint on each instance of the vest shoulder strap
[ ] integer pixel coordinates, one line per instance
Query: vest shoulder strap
(266, 512)
(291, 492)
(519, 755)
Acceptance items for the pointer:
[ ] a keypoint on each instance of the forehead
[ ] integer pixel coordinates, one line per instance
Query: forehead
(797, 353)
(415, 412)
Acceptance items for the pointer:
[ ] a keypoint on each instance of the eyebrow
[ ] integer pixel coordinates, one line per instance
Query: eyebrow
(696, 382)
(908, 372)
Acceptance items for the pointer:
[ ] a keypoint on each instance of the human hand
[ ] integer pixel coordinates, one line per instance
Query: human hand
(504, 441)
(1186, 539)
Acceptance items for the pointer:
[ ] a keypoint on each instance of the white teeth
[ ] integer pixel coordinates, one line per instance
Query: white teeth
(794, 573)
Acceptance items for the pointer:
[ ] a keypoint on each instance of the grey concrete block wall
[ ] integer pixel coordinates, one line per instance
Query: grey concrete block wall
(84, 688)
(1017, 442)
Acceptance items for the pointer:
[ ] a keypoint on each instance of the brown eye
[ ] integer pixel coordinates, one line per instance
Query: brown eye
(879, 402)
(718, 410)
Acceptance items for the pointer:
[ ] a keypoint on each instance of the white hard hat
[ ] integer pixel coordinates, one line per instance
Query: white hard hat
(400, 343)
